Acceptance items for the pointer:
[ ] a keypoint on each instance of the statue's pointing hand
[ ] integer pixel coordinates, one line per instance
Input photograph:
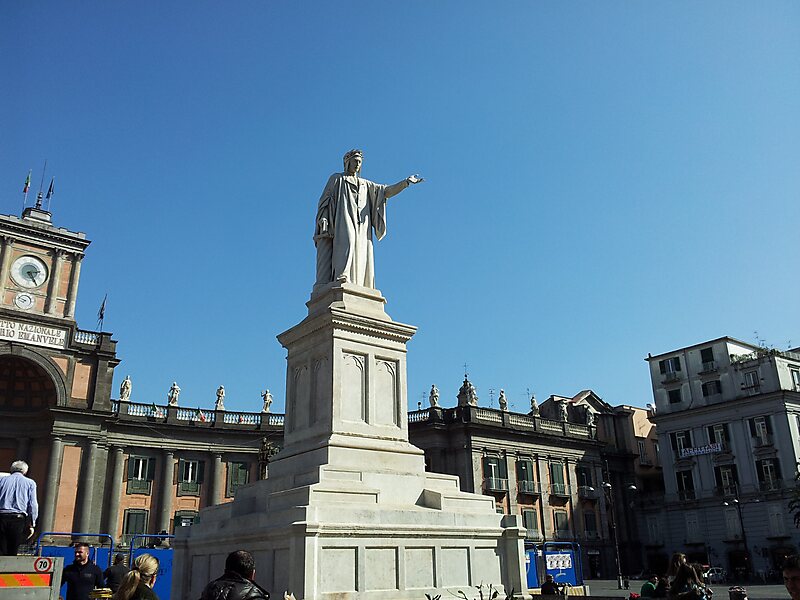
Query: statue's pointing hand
(412, 179)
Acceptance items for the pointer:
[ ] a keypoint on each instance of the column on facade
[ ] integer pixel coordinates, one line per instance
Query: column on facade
(542, 474)
(166, 491)
(24, 449)
(604, 508)
(8, 246)
(215, 487)
(86, 487)
(55, 281)
(511, 471)
(51, 487)
(115, 491)
(74, 277)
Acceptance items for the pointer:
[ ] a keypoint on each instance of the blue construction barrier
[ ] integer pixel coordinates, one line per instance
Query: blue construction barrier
(562, 560)
(99, 555)
(163, 584)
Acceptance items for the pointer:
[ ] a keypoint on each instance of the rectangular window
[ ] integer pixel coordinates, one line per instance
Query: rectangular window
(670, 365)
(712, 388)
(557, 478)
(134, 522)
(643, 458)
(525, 480)
(707, 356)
(769, 474)
(777, 524)
(184, 518)
(692, 526)
(718, 434)
(732, 526)
(561, 523)
(584, 475)
(685, 485)
(238, 475)
(530, 521)
(680, 440)
(495, 476)
(795, 379)
(751, 383)
(761, 430)
(141, 470)
(190, 477)
(653, 529)
(674, 396)
(590, 523)
(726, 480)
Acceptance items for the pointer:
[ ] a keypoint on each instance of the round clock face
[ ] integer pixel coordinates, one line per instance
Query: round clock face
(29, 272)
(23, 301)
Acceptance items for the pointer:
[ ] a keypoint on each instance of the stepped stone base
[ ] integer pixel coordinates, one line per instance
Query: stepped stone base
(348, 511)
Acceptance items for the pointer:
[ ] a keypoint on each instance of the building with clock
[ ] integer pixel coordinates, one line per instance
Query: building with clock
(102, 466)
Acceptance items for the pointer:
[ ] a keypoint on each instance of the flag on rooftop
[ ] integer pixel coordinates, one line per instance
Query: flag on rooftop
(51, 189)
(27, 185)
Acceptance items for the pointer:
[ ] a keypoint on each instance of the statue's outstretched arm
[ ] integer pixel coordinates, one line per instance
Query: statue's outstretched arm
(393, 190)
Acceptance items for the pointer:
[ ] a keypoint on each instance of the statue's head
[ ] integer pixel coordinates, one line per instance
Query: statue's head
(355, 155)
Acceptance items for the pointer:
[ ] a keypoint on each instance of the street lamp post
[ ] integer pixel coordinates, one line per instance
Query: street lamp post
(747, 562)
(609, 490)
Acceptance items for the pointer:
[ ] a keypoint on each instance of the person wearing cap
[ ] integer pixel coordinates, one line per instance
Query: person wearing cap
(18, 508)
(115, 573)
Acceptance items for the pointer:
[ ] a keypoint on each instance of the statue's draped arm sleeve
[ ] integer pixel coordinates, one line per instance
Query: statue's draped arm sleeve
(326, 210)
(377, 196)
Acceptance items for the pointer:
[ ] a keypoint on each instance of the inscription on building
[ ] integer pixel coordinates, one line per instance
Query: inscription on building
(37, 335)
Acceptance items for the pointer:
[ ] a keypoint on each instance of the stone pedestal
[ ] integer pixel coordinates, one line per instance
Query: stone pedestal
(348, 510)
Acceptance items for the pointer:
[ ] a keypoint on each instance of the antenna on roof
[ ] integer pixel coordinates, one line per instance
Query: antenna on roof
(39, 194)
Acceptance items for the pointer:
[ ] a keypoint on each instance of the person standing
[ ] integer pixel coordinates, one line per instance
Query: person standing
(116, 572)
(237, 582)
(550, 587)
(649, 587)
(82, 576)
(18, 508)
(139, 581)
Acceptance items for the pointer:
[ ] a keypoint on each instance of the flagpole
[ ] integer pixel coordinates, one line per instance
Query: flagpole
(41, 185)
(25, 189)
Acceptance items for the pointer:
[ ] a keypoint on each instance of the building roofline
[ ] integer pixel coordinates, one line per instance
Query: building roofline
(725, 338)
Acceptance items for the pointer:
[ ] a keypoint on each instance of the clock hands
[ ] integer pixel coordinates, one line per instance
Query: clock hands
(32, 273)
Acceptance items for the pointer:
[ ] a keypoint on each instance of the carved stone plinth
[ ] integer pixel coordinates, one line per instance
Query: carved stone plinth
(348, 510)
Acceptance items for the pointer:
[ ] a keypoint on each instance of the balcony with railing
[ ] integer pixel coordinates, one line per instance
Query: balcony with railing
(495, 484)
(591, 536)
(196, 417)
(563, 534)
(560, 489)
(771, 485)
(686, 495)
(671, 377)
(533, 534)
(525, 486)
(727, 491)
(587, 492)
(761, 440)
(709, 366)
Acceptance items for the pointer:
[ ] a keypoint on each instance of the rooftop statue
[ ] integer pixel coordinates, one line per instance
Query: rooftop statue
(349, 209)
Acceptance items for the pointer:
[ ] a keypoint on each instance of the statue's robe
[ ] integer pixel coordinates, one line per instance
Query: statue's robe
(353, 207)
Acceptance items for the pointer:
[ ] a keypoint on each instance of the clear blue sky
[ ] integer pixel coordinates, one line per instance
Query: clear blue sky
(604, 179)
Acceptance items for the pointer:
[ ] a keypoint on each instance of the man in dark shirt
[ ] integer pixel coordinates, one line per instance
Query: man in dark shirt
(116, 572)
(82, 576)
(550, 587)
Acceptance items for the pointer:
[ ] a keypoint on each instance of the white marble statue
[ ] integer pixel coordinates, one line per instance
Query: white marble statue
(172, 395)
(220, 403)
(433, 398)
(349, 209)
(503, 400)
(125, 389)
(590, 418)
(267, 397)
(534, 406)
(564, 413)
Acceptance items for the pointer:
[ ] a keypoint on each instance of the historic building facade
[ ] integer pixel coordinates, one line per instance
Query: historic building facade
(728, 418)
(102, 465)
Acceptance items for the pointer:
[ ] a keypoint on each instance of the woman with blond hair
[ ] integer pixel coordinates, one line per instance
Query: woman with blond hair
(138, 583)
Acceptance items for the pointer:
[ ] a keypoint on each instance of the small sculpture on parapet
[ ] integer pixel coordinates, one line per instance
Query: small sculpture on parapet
(534, 406)
(173, 394)
(467, 396)
(220, 403)
(503, 401)
(433, 398)
(564, 412)
(590, 418)
(267, 397)
(125, 389)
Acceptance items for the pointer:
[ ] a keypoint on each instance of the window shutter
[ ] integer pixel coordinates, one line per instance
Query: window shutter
(752, 424)
(707, 355)
(777, 465)
(673, 441)
(130, 467)
(760, 470)
(677, 363)
(718, 476)
(201, 464)
(503, 468)
(662, 365)
(151, 469)
(768, 422)
(522, 471)
(181, 470)
(710, 430)
(487, 469)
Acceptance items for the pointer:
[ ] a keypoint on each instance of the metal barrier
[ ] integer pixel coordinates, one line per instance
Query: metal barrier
(30, 577)
(101, 556)
(163, 584)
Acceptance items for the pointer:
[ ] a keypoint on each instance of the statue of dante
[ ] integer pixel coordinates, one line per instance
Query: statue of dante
(349, 209)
